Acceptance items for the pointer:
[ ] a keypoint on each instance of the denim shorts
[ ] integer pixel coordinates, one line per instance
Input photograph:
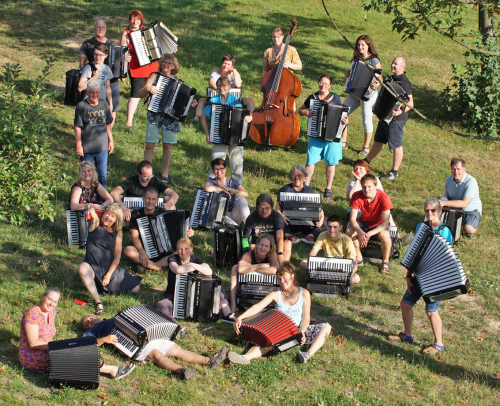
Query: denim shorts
(413, 297)
(153, 134)
(472, 218)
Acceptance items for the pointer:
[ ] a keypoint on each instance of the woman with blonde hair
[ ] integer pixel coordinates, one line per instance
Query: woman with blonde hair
(99, 270)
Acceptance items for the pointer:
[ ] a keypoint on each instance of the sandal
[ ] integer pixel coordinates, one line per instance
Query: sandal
(303, 357)
(344, 145)
(328, 194)
(401, 338)
(364, 152)
(433, 349)
(386, 267)
(196, 118)
(166, 179)
(99, 311)
(124, 370)
(360, 263)
(292, 238)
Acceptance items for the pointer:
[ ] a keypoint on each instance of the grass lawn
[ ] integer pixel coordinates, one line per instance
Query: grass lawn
(357, 365)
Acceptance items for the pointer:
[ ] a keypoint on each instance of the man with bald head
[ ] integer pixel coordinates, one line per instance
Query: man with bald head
(393, 133)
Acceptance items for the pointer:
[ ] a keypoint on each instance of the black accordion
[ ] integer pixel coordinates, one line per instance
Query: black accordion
(74, 362)
(116, 61)
(253, 287)
(271, 328)
(326, 120)
(159, 234)
(78, 228)
(360, 79)
(235, 91)
(302, 209)
(329, 275)
(136, 203)
(228, 125)
(452, 218)
(227, 246)
(197, 297)
(435, 265)
(208, 209)
(173, 99)
(71, 94)
(136, 326)
(374, 249)
(152, 42)
(386, 103)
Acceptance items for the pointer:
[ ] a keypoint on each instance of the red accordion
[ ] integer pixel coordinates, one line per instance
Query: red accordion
(271, 328)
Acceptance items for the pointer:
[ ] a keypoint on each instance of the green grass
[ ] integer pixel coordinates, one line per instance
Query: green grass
(357, 365)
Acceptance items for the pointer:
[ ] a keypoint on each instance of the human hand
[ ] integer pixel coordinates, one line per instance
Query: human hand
(345, 121)
(106, 279)
(347, 73)
(208, 139)
(111, 146)
(153, 90)
(303, 339)
(143, 259)
(126, 213)
(79, 150)
(375, 84)
(355, 176)
(249, 118)
(190, 232)
(363, 239)
(123, 79)
(168, 205)
(237, 325)
(95, 75)
(409, 283)
(111, 339)
(194, 103)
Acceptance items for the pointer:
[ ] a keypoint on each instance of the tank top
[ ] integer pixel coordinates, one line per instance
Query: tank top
(254, 259)
(294, 311)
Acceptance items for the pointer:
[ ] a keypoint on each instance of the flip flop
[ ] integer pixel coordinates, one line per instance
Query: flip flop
(124, 370)
(432, 349)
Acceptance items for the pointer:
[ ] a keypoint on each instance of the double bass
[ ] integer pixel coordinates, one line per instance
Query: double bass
(276, 122)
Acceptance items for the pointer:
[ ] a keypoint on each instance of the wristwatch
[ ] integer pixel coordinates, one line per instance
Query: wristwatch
(279, 253)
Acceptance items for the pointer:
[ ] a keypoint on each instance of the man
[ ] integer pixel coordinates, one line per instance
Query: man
(462, 192)
(238, 209)
(92, 124)
(156, 351)
(136, 253)
(375, 207)
(393, 133)
(335, 244)
(136, 186)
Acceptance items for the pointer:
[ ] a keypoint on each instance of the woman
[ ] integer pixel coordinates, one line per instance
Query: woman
(221, 150)
(262, 258)
(266, 220)
(298, 175)
(295, 302)
(158, 122)
(99, 270)
(360, 169)
(432, 209)
(182, 262)
(272, 56)
(317, 148)
(366, 49)
(137, 73)
(88, 193)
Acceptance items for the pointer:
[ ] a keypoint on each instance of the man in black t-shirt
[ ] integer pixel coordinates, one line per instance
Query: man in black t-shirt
(393, 133)
(136, 186)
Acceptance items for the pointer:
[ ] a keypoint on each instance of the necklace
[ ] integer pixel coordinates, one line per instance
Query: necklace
(287, 295)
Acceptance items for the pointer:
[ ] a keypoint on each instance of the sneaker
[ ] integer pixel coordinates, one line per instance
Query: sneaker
(228, 221)
(188, 374)
(237, 358)
(182, 332)
(328, 194)
(406, 240)
(470, 236)
(389, 176)
(230, 318)
(308, 239)
(292, 238)
(303, 357)
(216, 359)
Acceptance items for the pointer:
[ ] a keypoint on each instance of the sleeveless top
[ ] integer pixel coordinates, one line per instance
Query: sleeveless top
(136, 70)
(254, 259)
(294, 312)
(89, 195)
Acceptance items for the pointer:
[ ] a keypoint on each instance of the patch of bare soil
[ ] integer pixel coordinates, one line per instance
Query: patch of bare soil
(73, 43)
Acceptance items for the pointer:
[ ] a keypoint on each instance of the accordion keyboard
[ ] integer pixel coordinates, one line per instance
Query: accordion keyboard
(140, 48)
(215, 124)
(124, 344)
(181, 293)
(302, 198)
(197, 208)
(135, 203)
(156, 99)
(148, 239)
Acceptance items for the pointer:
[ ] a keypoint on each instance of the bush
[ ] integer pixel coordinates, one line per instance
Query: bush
(26, 137)
(477, 92)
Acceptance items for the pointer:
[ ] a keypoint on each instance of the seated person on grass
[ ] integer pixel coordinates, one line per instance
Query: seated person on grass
(335, 245)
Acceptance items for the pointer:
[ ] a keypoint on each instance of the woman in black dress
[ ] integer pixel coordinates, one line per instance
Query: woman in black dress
(99, 270)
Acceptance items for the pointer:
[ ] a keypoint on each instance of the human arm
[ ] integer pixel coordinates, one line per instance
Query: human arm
(136, 242)
(111, 143)
(376, 83)
(457, 204)
(148, 87)
(321, 219)
(111, 339)
(295, 62)
(277, 208)
(84, 78)
(94, 219)
(402, 108)
(106, 196)
(204, 124)
(305, 111)
(280, 246)
(212, 84)
(32, 335)
(173, 198)
(237, 78)
(245, 265)
(203, 268)
(306, 314)
(83, 59)
(255, 309)
(109, 97)
(78, 138)
(386, 214)
(117, 198)
(116, 259)
(356, 186)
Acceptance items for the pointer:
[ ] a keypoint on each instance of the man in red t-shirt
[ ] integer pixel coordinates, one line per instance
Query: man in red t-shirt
(375, 207)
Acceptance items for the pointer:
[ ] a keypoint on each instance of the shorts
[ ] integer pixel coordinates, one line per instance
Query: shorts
(312, 331)
(136, 84)
(318, 149)
(390, 133)
(412, 298)
(161, 345)
(153, 134)
(115, 93)
(471, 218)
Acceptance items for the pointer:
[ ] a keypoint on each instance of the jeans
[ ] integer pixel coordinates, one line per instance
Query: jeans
(100, 159)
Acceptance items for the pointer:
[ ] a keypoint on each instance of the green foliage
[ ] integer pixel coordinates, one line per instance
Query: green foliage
(477, 85)
(26, 139)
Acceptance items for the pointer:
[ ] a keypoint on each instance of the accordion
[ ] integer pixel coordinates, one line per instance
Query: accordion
(386, 103)
(159, 234)
(71, 94)
(360, 79)
(117, 62)
(253, 287)
(228, 125)
(78, 228)
(227, 246)
(452, 218)
(208, 209)
(235, 91)
(152, 42)
(136, 203)
(136, 326)
(302, 209)
(74, 362)
(271, 328)
(436, 266)
(173, 99)
(374, 249)
(326, 120)
(329, 275)
(197, 297)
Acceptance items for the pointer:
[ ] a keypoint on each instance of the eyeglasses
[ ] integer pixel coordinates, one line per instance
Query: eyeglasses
(168, 63)
(99, 55)
(429, 210)
(298, 176)
(264, 208)
(219, 169)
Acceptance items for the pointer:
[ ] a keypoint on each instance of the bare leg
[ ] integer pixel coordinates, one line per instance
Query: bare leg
(368, 138)
(149, 151)
(113, 114)
(330, 173)
(202, 103)
(257, 352)
(469, 229)
(376, 148)
(303, 265)
(437, 327)
(132, 104)
(234, 287)
(188, 356)
(407, 313)
(398, 158)
(344, 136)
(157, 358)
(354, 237)
(320, 339)
(167, 157)
(310, 170)
(287, 250)
(109, 369)
(386, 244)
(87, 274)
(132, 254)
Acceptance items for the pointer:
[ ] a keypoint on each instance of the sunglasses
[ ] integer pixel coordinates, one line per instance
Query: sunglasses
(429, 210)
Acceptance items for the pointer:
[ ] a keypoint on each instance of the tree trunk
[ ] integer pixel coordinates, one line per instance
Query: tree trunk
(485, 23)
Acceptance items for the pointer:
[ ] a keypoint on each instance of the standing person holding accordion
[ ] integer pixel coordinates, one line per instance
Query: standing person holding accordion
(317, 148)
(432, 209)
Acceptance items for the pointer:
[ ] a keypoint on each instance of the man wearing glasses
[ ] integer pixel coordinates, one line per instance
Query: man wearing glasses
(238, 209)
